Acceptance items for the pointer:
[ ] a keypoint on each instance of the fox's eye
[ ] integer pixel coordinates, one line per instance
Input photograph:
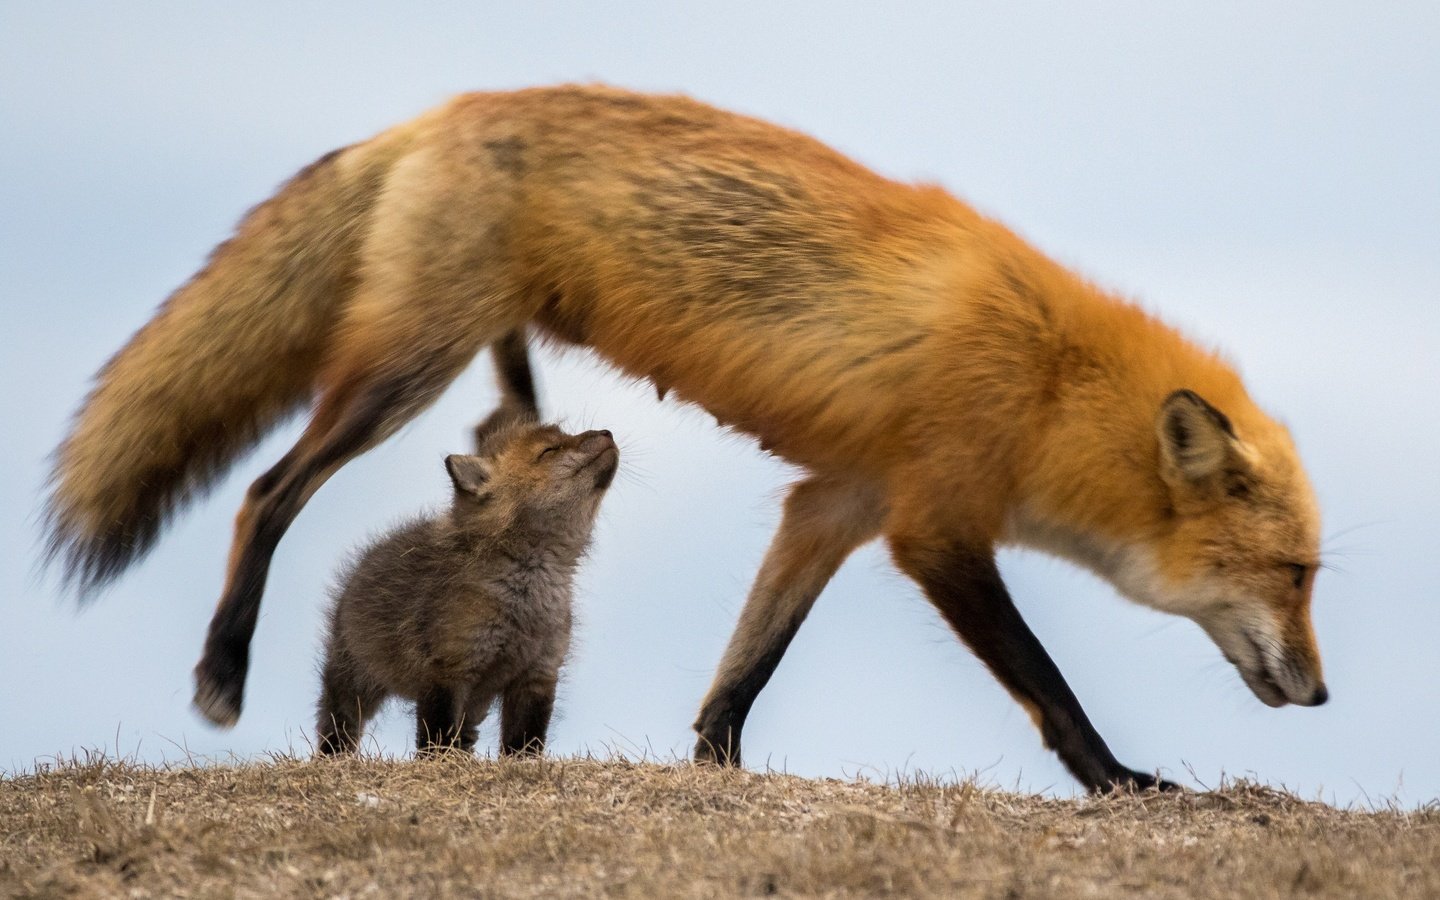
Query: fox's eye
(1298, 571)
(545, 451)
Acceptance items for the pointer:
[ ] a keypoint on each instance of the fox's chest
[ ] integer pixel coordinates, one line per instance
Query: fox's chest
(1107, 558)
(1130, 568)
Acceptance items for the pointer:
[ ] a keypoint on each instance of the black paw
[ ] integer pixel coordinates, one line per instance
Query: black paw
(443, 750)
(220, 688)
(1129, 781)
(717, 751)
(333, 745)
(533, 748)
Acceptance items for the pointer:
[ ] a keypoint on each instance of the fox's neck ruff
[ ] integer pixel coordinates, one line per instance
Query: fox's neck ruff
(1089, 488)
(1129, 566)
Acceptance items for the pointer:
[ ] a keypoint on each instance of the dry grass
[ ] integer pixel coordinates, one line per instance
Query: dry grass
(578, 827)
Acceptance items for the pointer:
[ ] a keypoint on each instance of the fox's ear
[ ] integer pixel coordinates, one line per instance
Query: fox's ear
(468, 473)
(1198, 447)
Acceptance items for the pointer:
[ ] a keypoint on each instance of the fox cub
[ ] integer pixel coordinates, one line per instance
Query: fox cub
(460, 609)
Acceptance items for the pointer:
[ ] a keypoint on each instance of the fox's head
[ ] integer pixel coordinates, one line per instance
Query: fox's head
(538, 472)
(1193, 511)
(1237, 547)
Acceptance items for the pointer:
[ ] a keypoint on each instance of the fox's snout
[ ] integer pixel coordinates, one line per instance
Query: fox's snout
(1277, 672)
(597, 440)
(1282, 681)
(603, 456)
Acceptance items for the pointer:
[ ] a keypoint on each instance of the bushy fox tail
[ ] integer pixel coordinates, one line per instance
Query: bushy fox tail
(226, 357)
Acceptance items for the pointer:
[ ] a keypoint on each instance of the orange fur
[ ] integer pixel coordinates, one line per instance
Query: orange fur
(886, 337)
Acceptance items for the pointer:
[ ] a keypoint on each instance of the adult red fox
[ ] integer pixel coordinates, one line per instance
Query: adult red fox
(945, 385)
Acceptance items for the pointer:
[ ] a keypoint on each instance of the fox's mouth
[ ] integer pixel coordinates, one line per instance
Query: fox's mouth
(1261, 678)
(603, 464)
(1288, 686)
(1257, 675)
(607, 462)
(1264, 686)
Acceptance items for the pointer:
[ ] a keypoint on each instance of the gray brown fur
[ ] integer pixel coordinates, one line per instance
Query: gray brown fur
(459, 610)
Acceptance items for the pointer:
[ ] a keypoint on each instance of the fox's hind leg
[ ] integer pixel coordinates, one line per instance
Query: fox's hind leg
(477, 707)
(353, 416)
(824, 521)
(346, 704)
(434, 292)
(516, 380)
(435, 286)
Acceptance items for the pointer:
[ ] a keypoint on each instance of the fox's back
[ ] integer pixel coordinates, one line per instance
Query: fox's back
(789, 290)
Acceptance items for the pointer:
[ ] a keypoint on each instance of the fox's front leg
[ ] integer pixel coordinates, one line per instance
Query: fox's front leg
(824, 521)
(525, 709)
(964, 584)
(441, 723)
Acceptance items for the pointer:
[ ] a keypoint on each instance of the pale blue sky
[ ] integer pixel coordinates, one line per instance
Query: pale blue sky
(1264, 178)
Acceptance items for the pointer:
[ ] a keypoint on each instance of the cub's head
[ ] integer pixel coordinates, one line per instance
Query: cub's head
(1239, 545)
(523, 468)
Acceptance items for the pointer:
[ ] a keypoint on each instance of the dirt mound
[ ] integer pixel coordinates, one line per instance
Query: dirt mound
(583, 827)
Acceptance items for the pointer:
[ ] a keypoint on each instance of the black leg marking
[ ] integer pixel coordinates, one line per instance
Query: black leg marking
(438, 722)
(517, 388)
(525, 711)
(824, 521)
(277, 497)
(220, 674)
(723, 717)
(512, 369)
(965, 586)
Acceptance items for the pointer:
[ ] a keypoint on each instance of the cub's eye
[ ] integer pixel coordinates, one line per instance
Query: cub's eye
(1297, 571)
(545, 451)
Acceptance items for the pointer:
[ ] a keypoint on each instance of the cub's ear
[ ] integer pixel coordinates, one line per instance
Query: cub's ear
(468, 473)
(1198, 447)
